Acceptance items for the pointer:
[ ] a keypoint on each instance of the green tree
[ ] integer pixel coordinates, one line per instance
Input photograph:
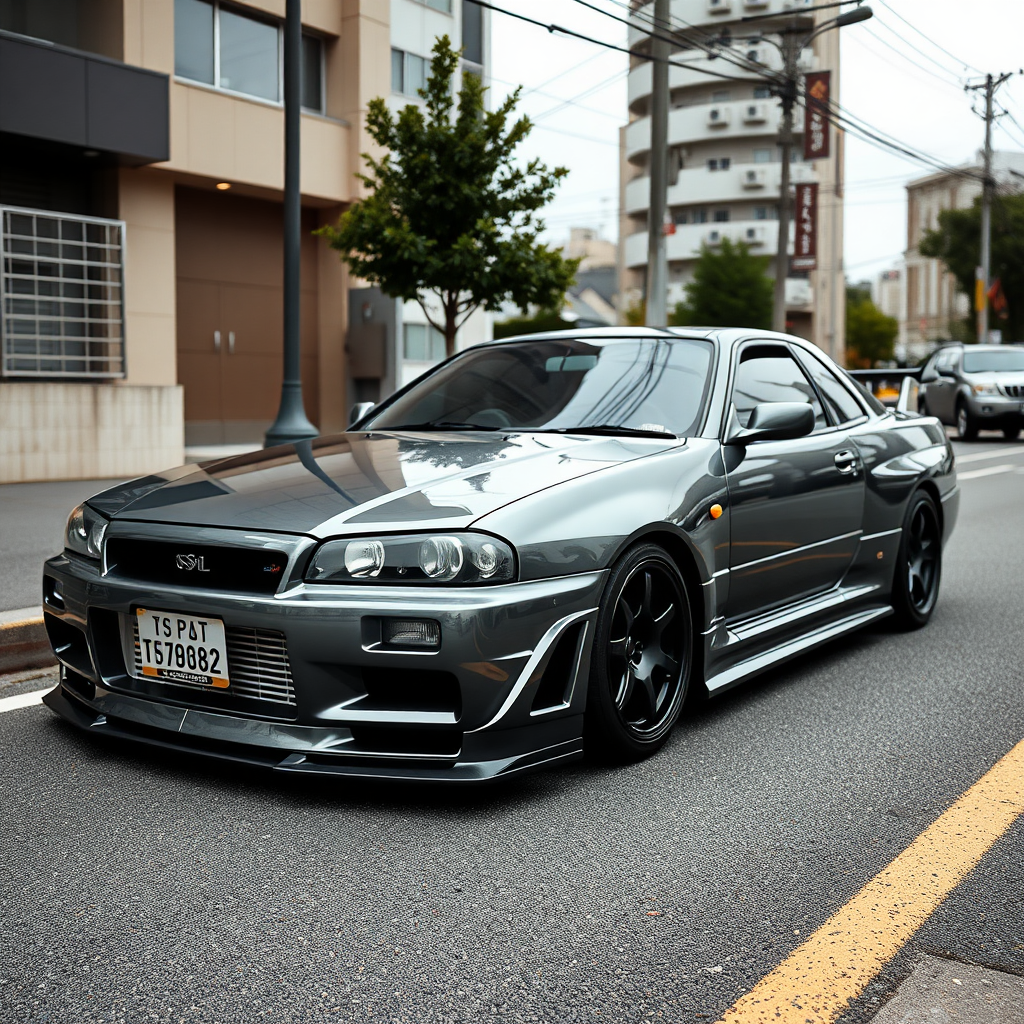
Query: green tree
(730, 288)
(545, 320)
(870, 334)
(449, 213)
(957, 242)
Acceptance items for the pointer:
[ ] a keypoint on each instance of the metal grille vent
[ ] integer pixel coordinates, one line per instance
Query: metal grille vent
(257, 665)
(1013, 390)
(62, 288)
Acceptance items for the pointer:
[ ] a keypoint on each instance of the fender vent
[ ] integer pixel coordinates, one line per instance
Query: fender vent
(556, 684)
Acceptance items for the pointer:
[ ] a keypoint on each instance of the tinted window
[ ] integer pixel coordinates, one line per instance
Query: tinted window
(772, 375)
(843, 406)
(248, 56)
(1010, 360)
(193, 40)
(311, 70)
(649, 384)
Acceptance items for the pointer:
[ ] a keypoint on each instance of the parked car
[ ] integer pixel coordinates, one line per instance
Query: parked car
(543, 545)
(975, 387)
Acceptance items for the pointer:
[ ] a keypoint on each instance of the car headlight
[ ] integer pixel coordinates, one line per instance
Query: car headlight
(84, 532)
(985, 389)
(453, 558)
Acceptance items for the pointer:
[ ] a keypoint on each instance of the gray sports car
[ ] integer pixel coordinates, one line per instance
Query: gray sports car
(544, 545)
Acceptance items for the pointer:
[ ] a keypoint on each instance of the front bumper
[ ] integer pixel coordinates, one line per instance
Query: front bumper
(996, 410)
(505, 690)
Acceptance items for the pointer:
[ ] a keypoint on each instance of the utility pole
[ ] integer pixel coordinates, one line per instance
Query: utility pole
(788, 94)
(657, 260)
(984, 280)
(291, 423)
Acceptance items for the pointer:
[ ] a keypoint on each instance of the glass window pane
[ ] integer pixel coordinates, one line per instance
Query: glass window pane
(397, 71)
(472, 32)
(248, 56)
(415, 74)
(193, 40)
(436, 344)
(441, 5)
(312, 68)
(762, 156)
(415, 342)
(843, 405)
(771, 375)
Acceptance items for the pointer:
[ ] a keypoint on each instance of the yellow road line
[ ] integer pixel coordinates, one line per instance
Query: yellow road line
(814, 984)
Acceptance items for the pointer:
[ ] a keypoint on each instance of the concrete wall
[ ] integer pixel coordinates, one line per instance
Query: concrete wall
(62, 431)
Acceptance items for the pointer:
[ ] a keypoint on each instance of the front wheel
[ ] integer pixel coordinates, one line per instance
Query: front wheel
(966, 426)
(915, 589)
(642, 657)
(1011, 433)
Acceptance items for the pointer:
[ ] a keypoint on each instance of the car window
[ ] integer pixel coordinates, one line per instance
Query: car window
(1010, 360)
(655, 384)
(768, 373)
(843, 406)
(946, 359)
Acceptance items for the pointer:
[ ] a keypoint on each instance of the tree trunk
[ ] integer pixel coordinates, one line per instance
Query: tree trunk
(451, 309)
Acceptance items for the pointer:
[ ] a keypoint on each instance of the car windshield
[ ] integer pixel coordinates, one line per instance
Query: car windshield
(1009, 360)
(631, 385)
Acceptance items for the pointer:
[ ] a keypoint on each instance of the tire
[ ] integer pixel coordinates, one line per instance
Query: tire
(1011, 433)
(966, 427)
(915, 588)
(642, 659)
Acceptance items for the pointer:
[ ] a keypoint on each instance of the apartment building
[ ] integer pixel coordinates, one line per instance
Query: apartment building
(141, 186)
(932, 307)
(724, 160)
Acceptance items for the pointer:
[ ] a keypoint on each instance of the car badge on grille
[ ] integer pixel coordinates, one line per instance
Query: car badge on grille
(273, 567)
(190, 562)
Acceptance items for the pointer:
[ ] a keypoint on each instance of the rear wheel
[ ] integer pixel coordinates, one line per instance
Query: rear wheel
(915, 589)
(966, 427)
(642, 658)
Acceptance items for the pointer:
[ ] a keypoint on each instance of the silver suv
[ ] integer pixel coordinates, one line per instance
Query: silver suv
(975, 387)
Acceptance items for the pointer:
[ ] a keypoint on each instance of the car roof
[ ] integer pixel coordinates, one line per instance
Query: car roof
(723, 334)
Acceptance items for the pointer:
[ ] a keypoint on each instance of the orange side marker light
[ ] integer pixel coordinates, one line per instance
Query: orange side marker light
(716, 511)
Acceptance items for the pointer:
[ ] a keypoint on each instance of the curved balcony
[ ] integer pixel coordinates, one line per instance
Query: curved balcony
(699, 186)
(684, 245)
(737, 120)
(705, 14)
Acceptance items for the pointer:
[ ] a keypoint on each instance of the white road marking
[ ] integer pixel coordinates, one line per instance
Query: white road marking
(23, 700)
(996, 453)
(987, 471)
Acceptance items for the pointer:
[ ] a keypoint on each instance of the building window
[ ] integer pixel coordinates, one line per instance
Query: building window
(61, 292)
(422, 343)
(762, 92)
(721, 164)
(700, 216)
(762, 156)
(721, 96)
(679, 217)
(232, 51)
(444, 6)
(721, 216)
(760, 213)
(408, 73)
(472, 33)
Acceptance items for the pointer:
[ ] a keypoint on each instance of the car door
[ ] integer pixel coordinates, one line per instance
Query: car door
(942, 391)
(796, 506)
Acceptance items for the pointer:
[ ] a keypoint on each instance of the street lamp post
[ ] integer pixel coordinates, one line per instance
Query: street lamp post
(291, 423)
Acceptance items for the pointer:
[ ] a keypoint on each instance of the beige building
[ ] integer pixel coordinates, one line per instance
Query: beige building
(141, 186)
(724, 161)
(932, 306)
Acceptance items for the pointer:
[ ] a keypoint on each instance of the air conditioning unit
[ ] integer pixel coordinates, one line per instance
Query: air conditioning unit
(754, 55)
(719, 6)
(753, 179)
(755, 113)
(713, 237)
(719, 117)
(754, 236)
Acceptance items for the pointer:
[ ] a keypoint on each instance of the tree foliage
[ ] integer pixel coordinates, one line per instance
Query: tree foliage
(449, 215)
(545, 320)
(730, 288)
(957, 242)
(870, 334)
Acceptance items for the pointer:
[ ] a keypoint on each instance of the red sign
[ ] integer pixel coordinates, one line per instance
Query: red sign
(816, 99)
(805, 252)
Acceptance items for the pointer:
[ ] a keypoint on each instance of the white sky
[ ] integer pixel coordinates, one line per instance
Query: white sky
(909, 89)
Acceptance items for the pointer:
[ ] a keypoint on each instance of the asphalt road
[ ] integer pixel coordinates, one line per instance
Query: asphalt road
(136, 887)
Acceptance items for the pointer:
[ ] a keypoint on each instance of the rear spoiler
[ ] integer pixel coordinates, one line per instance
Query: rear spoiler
(896, 388)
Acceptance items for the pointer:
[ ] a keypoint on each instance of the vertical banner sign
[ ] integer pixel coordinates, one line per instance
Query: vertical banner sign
(805, 252)
(816, 101)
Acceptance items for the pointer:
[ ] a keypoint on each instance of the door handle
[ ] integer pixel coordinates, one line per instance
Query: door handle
(231, 343)
(846, 462)
(216, 341)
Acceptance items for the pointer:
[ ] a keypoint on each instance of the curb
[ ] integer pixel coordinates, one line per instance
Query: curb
(23, 641)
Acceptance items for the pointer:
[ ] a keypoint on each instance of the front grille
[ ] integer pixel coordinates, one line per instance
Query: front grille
(1013, 390)
(257, 665)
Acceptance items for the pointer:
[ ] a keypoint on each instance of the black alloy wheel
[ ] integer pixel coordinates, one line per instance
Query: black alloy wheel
(642, 657)
(966, 427)
(919, 564)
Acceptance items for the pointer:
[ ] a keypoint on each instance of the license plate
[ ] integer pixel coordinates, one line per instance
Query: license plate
(182, 648)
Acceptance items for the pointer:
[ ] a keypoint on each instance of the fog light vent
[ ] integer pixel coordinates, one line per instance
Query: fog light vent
(411, 633)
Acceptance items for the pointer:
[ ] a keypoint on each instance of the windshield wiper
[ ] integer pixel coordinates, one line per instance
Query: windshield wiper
(441, 425)
(603, 428)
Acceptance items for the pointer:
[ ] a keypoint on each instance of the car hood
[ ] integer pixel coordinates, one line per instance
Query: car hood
(367, 483)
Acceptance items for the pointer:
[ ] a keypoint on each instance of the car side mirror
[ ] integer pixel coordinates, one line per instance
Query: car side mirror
(775, 421)
(945, 373)
(359, 410)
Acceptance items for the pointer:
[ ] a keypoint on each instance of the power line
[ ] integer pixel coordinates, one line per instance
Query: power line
(903, 39)
(909, 59)
(969, 67)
